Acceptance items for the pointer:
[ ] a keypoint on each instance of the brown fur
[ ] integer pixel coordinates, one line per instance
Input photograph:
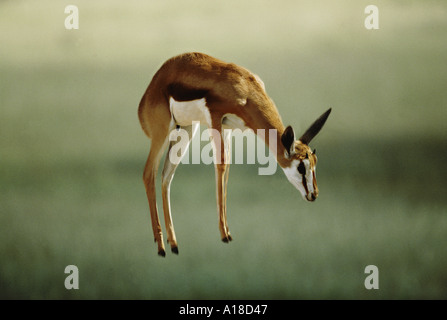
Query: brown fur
(228, 88)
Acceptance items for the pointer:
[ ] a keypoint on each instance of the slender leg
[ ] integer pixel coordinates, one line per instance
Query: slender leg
(169, 168)
(220, 166)
(149, 175)
(227, 147)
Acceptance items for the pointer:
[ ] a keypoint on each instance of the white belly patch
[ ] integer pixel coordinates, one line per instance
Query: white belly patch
(185, 112)
(232, 121)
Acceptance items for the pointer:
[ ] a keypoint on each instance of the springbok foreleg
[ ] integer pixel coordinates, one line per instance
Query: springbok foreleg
(221, 164)
(227, 147)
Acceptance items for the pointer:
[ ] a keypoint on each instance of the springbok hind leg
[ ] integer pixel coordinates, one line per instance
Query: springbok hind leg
(170, 165)
(149, 176)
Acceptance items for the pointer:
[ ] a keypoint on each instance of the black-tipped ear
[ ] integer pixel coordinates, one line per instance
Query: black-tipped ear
(315, 128)
(288, 140)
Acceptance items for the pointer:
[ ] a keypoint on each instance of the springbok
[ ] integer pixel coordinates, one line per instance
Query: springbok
(194, 87)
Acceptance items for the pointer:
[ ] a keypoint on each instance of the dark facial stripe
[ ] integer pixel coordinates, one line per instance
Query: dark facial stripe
(301, 168)
(182, 93)
(305, 184)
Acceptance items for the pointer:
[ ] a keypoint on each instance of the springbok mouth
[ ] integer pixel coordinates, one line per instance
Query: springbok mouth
(311, 197)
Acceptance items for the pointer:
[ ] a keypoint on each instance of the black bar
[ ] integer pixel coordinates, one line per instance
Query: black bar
(225, 309)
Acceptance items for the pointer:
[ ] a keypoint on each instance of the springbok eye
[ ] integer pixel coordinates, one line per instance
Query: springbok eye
(301, 168)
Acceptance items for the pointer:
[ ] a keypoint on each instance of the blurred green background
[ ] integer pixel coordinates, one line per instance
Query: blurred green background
(72, 152)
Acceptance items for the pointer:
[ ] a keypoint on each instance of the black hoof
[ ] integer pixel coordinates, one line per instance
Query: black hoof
(174, 250)
(227, 239)
(162, 253)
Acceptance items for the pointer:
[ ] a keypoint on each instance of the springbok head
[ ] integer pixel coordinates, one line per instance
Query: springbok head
(302, 160)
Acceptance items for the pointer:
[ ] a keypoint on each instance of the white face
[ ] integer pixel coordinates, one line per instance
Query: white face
(302, 176)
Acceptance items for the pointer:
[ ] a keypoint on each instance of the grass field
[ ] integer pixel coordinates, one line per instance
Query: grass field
(72, 152)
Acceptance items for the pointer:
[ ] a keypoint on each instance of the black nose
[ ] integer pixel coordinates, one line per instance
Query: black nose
(313, 197)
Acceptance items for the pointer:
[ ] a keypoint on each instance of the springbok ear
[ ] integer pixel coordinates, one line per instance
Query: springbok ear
(315, 128)
(288, 140)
